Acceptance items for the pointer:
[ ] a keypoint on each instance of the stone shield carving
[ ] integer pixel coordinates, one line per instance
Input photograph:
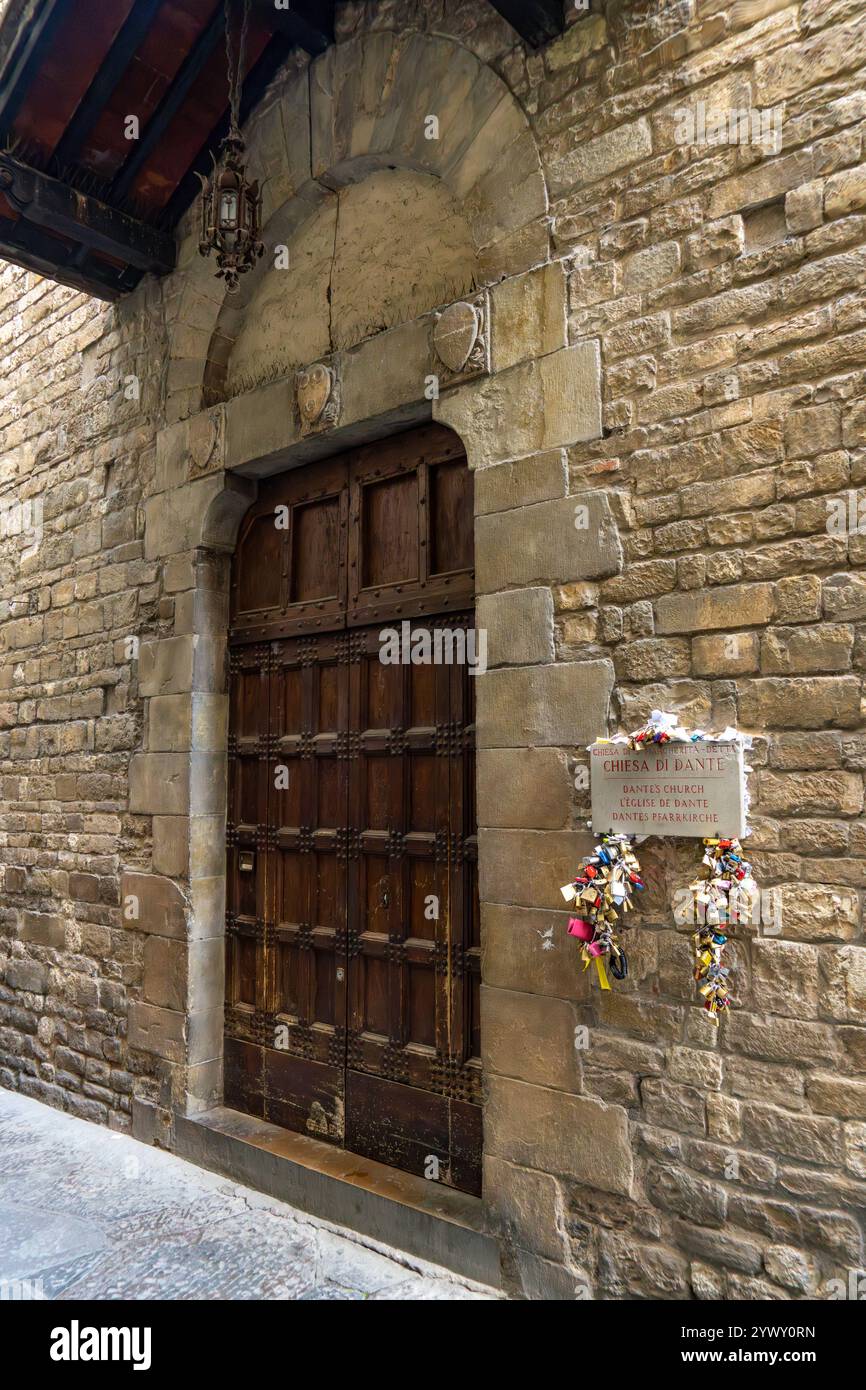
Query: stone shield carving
(205, 442)
(316, 389)
(459, 337)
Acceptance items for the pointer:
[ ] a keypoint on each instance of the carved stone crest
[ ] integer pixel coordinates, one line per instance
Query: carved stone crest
(460, 336)
(205, 442)
(317, 393)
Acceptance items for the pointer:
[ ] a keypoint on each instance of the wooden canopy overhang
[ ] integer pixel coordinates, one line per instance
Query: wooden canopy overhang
(88, 198)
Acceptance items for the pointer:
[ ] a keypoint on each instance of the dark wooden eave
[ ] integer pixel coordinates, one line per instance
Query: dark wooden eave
(82, 203)
(48, 203)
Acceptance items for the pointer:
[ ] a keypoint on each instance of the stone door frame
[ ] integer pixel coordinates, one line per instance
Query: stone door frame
(518, 420)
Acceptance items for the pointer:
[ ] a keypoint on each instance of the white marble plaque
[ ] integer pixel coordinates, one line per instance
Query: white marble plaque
(693, 789)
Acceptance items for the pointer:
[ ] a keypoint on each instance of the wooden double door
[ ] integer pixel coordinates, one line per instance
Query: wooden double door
(352, 932)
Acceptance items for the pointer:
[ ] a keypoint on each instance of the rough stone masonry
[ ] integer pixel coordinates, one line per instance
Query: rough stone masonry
(677, 332)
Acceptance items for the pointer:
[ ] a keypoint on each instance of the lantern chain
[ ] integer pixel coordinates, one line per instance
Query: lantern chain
(235, 68)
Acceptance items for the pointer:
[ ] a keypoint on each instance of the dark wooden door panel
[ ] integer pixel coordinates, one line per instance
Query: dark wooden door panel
(408, 883)
(307, 859)
(421, 1132)
(353, 953)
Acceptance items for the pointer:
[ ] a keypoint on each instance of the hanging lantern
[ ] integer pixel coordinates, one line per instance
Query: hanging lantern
(231, 207)
(231, 214)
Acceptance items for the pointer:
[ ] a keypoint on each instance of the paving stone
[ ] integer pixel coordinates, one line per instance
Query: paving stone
(85, 1214)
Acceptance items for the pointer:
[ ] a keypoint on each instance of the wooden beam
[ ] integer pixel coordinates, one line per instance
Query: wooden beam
(34, 21)
(126, 43)
(46, 202)
(309, 24)
(257, 80)
(536, 21)
(169, 106)
(45, 255)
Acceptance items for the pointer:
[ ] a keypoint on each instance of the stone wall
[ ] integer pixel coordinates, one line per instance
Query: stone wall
(676, 331)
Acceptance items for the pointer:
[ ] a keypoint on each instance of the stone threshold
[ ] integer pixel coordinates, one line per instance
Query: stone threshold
(399, 1209)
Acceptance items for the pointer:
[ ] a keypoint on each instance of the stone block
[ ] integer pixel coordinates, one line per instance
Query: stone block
(807, 650)
(530, 1038)
(206, 960)
(799, 702)
(527, 1207)
(804, 207)
(841, 1096)
(815, 429)
(843, 983)
(777, 1039)
(526, 949)
(528, 867)
(387, 372)
(177, 665)
(205, 1033)
(171, 846)
(28, 975)
(206, 846)
(519, 626)
(650, 268)
(802, 1136)
(583, 162)
(539, 478)
(806, 63)
(563, 540)
(260, 423)
(209, 721)
(169, 722)
(207, 897)
(577, 43)
(165, 972)
(519, 788)
(651, 658)
(575, 1136)
(528, 315)
(159, 784)
(43, 929)
(817, 793)
(173, 520)
(729, 654)
(729, 606)
(207, 788)
(785, 977)
(161, 1032)
(557, 705)
(154, 904)
(824, 912)
(552, 402)
(844, 597)
(845, 192)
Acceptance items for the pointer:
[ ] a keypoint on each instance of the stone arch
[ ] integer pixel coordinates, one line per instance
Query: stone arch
(221, 522)
(360, 109)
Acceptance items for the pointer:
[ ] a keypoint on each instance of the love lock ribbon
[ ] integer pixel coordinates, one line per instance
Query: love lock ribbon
(602, 890)
(718, 903)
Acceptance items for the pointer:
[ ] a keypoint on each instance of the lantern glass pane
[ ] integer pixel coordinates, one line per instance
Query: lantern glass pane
(228, 209)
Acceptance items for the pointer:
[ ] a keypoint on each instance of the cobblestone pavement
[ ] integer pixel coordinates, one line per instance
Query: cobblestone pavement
(88, 1214)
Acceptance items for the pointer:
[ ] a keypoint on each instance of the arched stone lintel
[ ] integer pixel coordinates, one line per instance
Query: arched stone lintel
(369, 100)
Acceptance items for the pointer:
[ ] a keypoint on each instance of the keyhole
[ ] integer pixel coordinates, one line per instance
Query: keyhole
(386, 898)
